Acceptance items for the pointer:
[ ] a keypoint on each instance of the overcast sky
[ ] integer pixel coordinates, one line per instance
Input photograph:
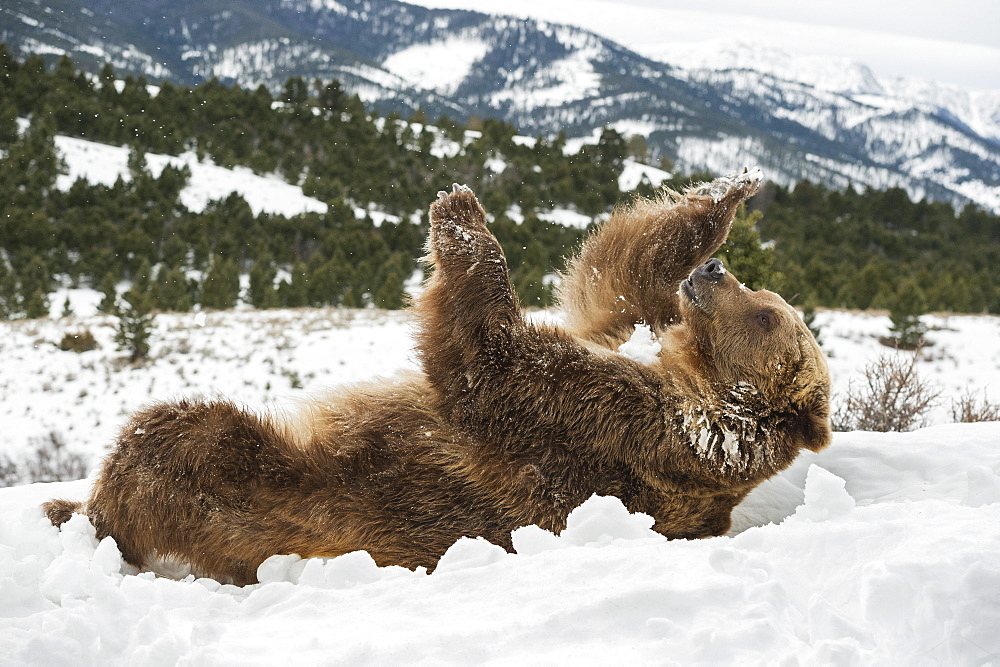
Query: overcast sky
(956, 41)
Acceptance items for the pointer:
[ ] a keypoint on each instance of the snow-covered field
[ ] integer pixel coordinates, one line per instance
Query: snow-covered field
(267, 358)
(883, 549)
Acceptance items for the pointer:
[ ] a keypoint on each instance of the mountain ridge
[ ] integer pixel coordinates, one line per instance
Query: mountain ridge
(542, 77)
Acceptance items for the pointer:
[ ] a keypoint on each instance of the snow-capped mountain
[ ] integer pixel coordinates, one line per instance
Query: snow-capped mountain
(835, 123)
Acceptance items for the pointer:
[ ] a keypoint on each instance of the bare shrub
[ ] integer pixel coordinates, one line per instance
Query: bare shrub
(51, 461)
(971, 408)
(80, 341)
(892, 397)
(9, 474)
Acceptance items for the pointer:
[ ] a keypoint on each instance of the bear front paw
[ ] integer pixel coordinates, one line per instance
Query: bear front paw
(739, 185)
(457, 221)
(459, 207)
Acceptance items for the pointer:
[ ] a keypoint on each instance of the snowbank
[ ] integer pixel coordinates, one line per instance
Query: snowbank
(883, 549)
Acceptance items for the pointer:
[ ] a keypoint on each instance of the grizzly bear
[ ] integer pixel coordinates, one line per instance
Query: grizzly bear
(508, 423)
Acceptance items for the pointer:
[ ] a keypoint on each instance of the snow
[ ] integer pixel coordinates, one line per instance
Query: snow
(104, 164)
(560, 82)
(266, 358)
(881, 35)
(566, 217)
(883, 549)
(634, 172)
(441, 65)
(260, 358)
(964, 352)
(643, 347)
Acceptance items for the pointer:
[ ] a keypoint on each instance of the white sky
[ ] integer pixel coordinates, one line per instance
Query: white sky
(954, 42)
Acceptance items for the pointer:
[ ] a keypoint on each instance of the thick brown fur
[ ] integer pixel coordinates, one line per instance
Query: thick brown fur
(508, 423)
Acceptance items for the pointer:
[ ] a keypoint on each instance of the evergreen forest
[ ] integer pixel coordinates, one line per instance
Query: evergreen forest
(822, 247)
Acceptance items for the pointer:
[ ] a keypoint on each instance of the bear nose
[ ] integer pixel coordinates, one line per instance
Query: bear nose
(712, 270)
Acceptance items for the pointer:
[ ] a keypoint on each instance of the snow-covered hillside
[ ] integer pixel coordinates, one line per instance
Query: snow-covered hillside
(900, 566)
(100, 163)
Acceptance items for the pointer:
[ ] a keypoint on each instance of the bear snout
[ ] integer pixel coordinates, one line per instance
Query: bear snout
(712, 271)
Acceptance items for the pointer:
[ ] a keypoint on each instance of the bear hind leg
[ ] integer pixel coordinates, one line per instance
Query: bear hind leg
(60, 511)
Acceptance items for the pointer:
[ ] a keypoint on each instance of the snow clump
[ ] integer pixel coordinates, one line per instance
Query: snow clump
(643, 347)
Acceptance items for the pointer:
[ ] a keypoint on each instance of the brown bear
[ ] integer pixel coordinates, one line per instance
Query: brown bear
(508, 423)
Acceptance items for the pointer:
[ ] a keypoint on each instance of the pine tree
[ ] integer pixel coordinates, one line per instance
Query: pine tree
(905, 309)
(296, 92)
(36, 305)
(110, 294)
(136, 162)
(348, 300)
(222, 284)
(637, 147)
(8, 291)
(746, 257)
(295, 293)
(530, 285)
(135, 323)
(262, 293)
(171, 291)
(390, 295)
(331, 96)
(8, 123)
(809, 317)
(142, 278)
(324, 283)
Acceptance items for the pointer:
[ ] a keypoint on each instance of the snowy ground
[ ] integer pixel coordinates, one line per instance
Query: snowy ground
(900, 566)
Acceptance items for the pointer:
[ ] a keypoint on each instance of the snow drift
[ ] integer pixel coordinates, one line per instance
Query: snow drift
(883, 549)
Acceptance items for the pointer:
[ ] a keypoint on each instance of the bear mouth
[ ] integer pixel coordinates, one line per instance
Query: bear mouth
(689, 291)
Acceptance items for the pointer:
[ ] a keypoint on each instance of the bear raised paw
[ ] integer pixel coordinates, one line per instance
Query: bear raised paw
(507, 423)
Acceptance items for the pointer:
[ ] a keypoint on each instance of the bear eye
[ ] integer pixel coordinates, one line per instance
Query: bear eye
(765, 320)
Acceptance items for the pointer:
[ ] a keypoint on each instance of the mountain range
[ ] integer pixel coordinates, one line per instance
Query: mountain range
(730, 106)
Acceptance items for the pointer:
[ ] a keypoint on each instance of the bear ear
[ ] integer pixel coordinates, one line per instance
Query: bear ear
(817, 433)
(814, 426)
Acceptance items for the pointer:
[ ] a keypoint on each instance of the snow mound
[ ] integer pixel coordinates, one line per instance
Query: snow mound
(352, 569)
(468, 553)
(600, 521)
(825, 496)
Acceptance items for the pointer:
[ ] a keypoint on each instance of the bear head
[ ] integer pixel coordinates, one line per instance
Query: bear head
(738, 337)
